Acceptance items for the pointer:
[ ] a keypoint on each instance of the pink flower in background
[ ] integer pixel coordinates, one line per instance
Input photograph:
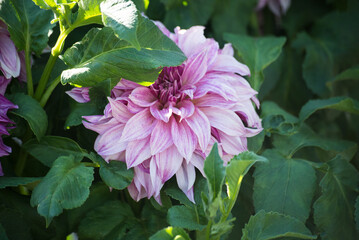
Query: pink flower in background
(169, 128)
(5, 124)
(278, 7)
(80, 95)
(9, 58)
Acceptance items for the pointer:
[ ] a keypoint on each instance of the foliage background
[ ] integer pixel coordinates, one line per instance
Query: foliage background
(305, 66)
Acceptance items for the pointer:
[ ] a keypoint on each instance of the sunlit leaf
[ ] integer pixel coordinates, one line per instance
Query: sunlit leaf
(171, 233)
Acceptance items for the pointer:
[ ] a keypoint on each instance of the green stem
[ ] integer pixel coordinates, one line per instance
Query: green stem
(49, 91)
(30, 86)
(55, 52)
(21, 161)
(89, 164)
(208, 229)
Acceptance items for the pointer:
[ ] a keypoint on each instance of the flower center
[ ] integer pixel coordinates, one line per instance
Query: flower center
(168, 84)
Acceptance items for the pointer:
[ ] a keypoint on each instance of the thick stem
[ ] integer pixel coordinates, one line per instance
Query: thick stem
(55, 52)
(21, 161)
(49, 91)
(30, 86)
(208, 230)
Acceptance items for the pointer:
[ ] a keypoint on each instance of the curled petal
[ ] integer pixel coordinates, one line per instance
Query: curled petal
(9, 58)
(143, 97)
(99, 123)
(227, 63)
(225, 120)
(80, 95)
(186, 109)
(161, 113)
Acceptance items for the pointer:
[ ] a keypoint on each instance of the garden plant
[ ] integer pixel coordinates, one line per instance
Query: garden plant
(173, 119)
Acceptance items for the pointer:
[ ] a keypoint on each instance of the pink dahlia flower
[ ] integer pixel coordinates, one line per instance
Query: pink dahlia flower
(9, 58)
(278, 7)
(169, 128)
(5, 124)
(80, 94)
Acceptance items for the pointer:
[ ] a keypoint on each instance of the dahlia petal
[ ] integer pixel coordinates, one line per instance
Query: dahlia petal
(3, 84)
(215, 83)
(139, 126)
(230, 144)
(183, 138)
(225, 120)
(213, 100)
(137, 151)
(9, 58)
(133, 108)
(186, 177)
(161, 113)
(191, 41)
(168, 162)
(200, 125)
(195, 69)
(156, 177)
(198, 162)
(285, 5)
(162, 27)
(119, 110)
(109, 142)
(227, 49)
(227, 63)
(99, 123)
(275, 7)
(161, 137)
(136, 193)
(143, 97)
(80, 95)
(4, 150)
(186, 109)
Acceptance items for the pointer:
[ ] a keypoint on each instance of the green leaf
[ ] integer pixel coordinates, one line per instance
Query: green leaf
(256, 53)
(276, 120)
(255, 143)
(232, 16)
(65, 186)
(28, 24)
(115, 173)
(122, 17)
(215, 172)
(78, 111)
(305, 137)
(3, 233)
(284, 185)
(335, 207)
(89, 12)
(187, 13)
(16, 181)
(345, 104)
(171, 233)
(52, 147)
(32, 112)
(323, 57)
(176, 193)
(349, 74)
(111, 219)
(237, 168)
(272, 225)
(99, 194)
(101, 55)
(357, 213)
(184, 217)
